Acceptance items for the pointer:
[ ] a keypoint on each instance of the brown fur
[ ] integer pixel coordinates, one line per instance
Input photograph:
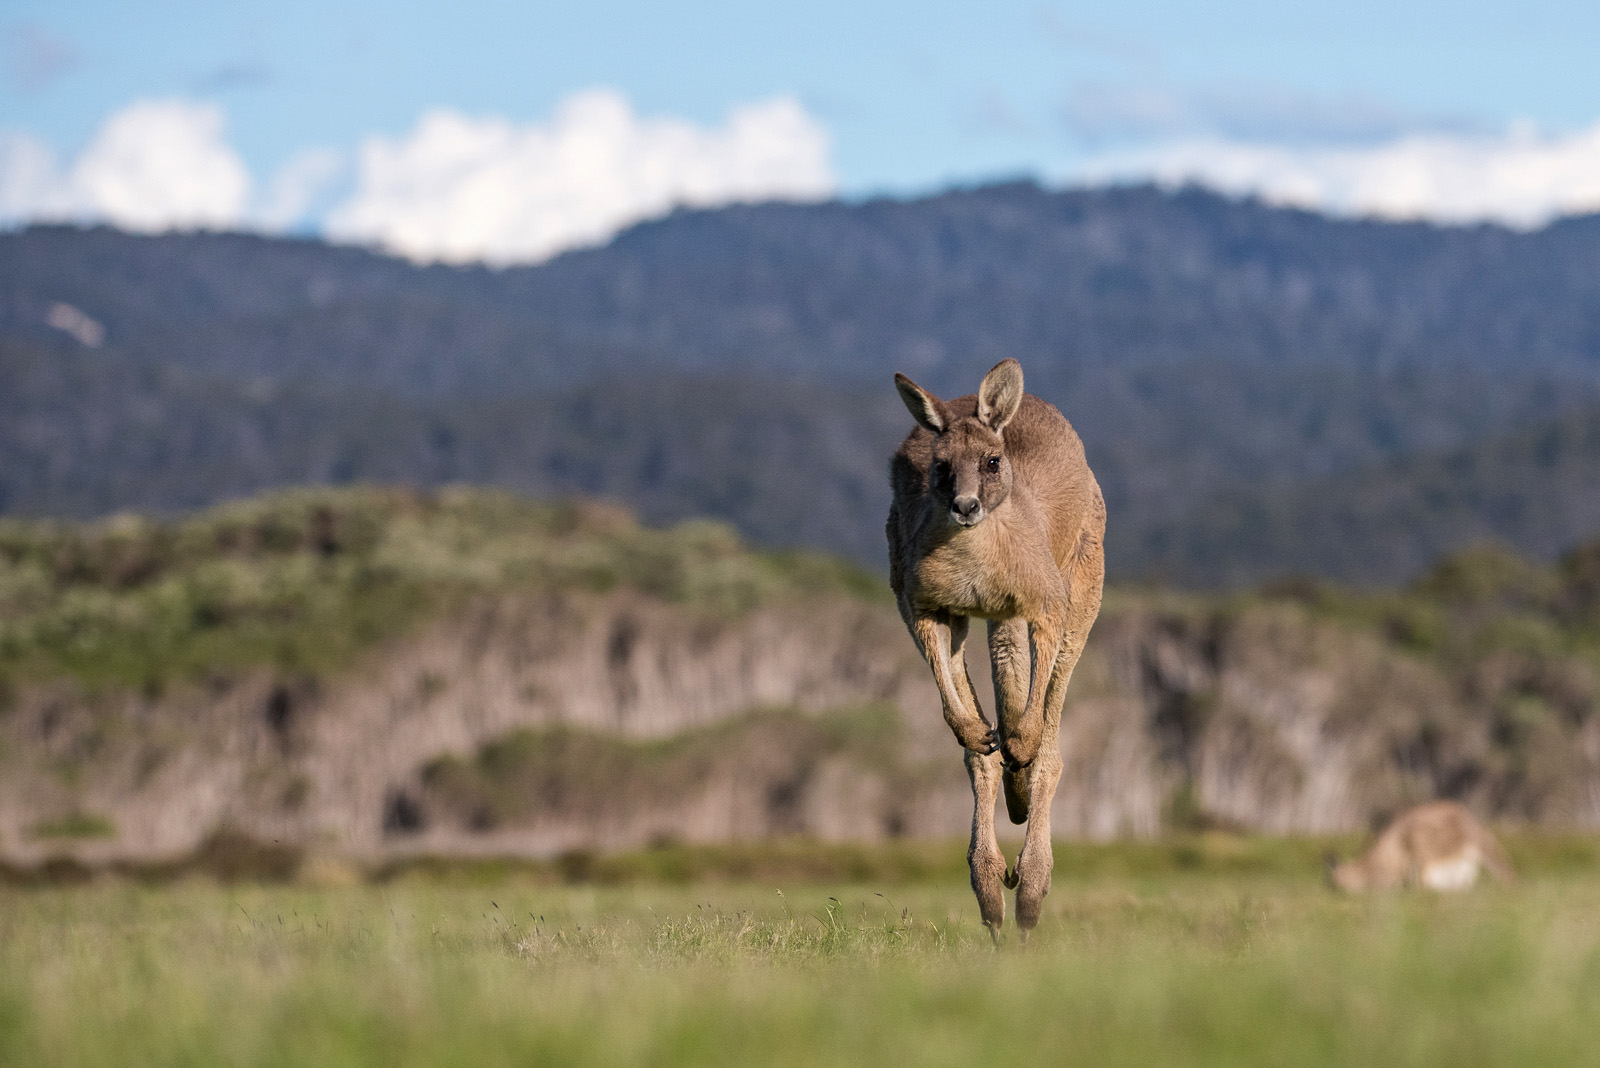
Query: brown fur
(1438, 845)
(997, 515)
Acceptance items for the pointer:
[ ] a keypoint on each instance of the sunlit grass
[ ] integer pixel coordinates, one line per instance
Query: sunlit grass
(1153, 969)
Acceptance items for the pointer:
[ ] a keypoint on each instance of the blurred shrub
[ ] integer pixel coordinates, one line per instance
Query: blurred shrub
(567, 772)
(74, 825)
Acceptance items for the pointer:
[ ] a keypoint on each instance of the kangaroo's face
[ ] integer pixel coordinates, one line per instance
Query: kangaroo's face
(970, 475)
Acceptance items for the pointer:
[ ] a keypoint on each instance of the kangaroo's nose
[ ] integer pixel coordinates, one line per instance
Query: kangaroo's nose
(966, 507)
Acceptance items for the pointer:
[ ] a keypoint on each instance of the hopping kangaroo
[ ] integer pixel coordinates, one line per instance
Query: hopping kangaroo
(1438, 845)
(996, 515)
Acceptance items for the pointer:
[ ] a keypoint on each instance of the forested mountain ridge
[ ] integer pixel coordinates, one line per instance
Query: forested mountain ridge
(1123, 276)
(1214, 354)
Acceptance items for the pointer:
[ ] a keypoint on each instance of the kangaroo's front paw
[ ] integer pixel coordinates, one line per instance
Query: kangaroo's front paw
(1017, 753)
(981, 739)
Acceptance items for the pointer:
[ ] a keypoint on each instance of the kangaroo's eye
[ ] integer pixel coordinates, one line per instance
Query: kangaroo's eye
(994, 463)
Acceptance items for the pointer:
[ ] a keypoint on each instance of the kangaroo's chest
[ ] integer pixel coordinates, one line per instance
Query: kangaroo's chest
(969, 575)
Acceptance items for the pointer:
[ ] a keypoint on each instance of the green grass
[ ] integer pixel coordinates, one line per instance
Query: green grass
(1172, 969)
(908, 861)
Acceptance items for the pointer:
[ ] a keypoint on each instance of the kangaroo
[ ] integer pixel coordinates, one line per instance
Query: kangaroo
(997, 515)
(1438, 845)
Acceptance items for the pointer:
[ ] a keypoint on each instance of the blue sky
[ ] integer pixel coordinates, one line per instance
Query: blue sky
(909, 97)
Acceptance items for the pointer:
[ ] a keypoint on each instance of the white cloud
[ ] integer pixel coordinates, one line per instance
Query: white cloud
(455, 188)
(154, 165)
(160, 165)
(459, 188)
(1520, 178)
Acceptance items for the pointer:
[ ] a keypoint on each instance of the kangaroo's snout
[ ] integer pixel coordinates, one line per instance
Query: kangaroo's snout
(966, 509)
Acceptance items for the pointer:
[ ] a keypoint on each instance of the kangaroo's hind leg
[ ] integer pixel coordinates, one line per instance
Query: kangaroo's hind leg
(988, 864)
(984, 858)
(1036, 860)
(1010, 661)
(1044, 775)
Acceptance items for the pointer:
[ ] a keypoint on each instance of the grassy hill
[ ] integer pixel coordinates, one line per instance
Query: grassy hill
(301, 581)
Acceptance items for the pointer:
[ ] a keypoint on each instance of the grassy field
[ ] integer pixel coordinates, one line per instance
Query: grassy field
(1136, 963)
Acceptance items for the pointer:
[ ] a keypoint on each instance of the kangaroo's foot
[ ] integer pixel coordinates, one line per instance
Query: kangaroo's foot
(988, 880)
(1037, 857)
(1033, 883)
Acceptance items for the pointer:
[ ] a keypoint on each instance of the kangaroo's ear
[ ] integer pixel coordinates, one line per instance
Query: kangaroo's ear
(929, 411)
(1000, 395)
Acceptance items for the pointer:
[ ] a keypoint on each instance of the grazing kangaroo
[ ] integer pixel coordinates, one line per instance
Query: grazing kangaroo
(1438, 846)
(997, 515)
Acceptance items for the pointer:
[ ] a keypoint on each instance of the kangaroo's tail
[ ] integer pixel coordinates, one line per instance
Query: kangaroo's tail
(1016, 789)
